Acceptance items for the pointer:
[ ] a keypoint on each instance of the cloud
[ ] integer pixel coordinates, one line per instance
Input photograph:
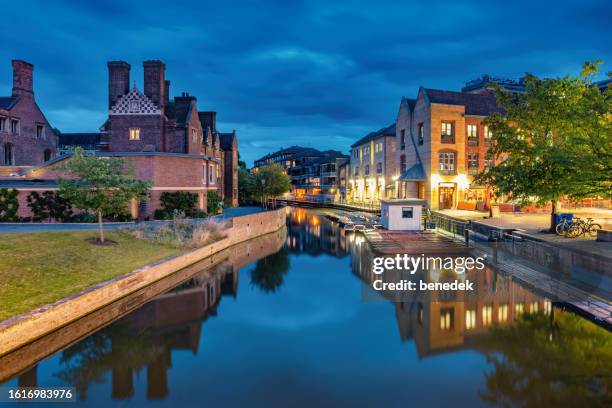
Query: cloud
(321, 73)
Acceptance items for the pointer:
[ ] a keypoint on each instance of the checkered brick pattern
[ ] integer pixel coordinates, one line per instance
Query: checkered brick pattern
(134, 103)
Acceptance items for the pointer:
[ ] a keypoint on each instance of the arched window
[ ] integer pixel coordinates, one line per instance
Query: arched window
(48, 155)
(402, 163)
(9, 155)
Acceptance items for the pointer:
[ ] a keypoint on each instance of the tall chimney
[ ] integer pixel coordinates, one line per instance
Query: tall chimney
(22, 78)
(154, 82)
(118, 81)
(166, 92)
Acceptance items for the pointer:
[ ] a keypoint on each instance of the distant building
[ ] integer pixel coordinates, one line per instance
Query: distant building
(281, 157)
(442, 145)
(373, 166)
(482, 84)
(26, 137)
(316, 173)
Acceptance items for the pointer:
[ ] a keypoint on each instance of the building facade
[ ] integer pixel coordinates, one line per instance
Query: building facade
(26, 137)
(442, 144)
(168, 142)
(372, 167)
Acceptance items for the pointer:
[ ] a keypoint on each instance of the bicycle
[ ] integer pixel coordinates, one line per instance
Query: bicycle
(563, 227)
(582, 227)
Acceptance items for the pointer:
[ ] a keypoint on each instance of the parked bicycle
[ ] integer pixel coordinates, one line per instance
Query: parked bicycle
(563, 226)
(581, 227)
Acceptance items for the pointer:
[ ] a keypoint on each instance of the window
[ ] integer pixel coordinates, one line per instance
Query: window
(14, 126)
(447, 318)
(39, 131)
(502, 313)
(472, 163)
(447, 162)
(194, 135)
(407, 212)
(402, 163)
(379, 168)
(488, 163)
(487, 315)
(356, 171)
(9, 155)
(519, 308)
(421, 131)
(367, 169)
(488, 133)
(134, 133)
(47, 155)
(2, 124)
(211, 173)
(470, 319)
(402, 139)
(447, 133)
(472, 134)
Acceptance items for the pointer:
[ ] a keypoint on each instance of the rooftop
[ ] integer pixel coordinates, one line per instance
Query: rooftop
(386, 131)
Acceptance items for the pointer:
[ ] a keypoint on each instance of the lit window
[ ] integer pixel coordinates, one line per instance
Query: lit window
(447, 162)
(446, 319)
(487, 315)
(470, 319)
(447, 131)
(39, 131)
(534, 307)
(14, 126)
(502, 313)
(472, 131)
(488, 133)
(547, 306)
(134, 133)
(519, 308)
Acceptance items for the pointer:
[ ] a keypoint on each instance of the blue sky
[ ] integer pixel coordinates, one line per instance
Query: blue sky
(314, 73)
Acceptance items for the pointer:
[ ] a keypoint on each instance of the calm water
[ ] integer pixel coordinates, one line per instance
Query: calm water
(292, 328)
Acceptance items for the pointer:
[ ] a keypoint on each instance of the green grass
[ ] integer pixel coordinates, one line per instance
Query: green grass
(40, 268)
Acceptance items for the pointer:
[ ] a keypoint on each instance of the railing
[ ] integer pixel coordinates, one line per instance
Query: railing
(449, 224)
(472, 141)
(448, 172)
(447, 139)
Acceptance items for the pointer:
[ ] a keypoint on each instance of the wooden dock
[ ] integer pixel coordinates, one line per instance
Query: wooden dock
(413, 242)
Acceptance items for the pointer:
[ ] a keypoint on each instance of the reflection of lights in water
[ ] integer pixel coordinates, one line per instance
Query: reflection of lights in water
(359, 239)
(351, 238)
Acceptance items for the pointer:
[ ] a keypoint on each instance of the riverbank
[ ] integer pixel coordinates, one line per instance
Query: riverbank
(27, 327)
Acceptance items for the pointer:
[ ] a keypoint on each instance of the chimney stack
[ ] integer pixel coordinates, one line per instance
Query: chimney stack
(210, 120)
(155, 82)
(22, 78)
(118, 81)
(166, 92)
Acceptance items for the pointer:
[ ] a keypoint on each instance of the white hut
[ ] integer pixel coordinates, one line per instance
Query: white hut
(402, 215)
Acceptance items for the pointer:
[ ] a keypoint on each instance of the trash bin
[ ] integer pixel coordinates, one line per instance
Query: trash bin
(559, 217)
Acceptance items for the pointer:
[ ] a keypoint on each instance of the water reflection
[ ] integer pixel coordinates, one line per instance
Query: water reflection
(518, 348)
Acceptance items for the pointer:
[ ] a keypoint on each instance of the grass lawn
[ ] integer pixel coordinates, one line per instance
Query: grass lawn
(43, 267)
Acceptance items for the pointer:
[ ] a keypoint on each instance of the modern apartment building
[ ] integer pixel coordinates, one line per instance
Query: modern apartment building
(315, 173)
(373, 167)
(442, 144)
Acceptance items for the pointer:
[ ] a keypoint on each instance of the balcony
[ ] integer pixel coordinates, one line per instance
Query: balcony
(450, 139)
(472, 141)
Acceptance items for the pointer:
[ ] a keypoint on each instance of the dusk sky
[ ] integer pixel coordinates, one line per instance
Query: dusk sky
(312, 73)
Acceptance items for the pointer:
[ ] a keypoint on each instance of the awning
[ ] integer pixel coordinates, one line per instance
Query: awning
(415, 173)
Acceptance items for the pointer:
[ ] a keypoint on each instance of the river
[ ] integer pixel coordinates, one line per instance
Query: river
(287, 321)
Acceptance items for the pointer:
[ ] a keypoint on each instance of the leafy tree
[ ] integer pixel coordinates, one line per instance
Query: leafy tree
(214, 202)
(9, 204)
(271, 181)
(553, 140)
(49, 206)
(246, 186)
(102, 184)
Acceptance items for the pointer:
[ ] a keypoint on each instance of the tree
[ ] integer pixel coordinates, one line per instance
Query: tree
(214, 202)
(49, 206)
(102, 184)
(271, 181)
(9, 205)
(553, 140)
(246, 186)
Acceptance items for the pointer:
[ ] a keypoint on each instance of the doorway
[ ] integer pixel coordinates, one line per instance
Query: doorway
(446, 194)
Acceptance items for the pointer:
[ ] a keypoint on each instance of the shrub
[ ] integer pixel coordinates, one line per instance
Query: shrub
(179, 201)
(215, 203)
(84, 217)
(49, 206)
(9, 204)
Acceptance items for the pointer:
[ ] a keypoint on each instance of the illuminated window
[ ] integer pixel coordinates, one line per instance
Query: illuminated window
(534, 307)
(447, 162)
(472, 131)
(447, 132)
(134, 133)
(519, 308)
(447, 319)
(470, 319)
(487, 315)
(488, 133)
(502, 313)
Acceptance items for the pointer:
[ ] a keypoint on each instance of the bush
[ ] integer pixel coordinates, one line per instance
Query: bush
(85, 217)
(160, 214)
(9, 204)
(215, 203)
(49, 206)
(179, 201)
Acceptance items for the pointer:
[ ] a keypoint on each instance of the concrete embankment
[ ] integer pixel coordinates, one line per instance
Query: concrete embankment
(25, 328)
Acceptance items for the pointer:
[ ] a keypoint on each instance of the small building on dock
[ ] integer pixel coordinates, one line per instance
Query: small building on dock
(402, 215)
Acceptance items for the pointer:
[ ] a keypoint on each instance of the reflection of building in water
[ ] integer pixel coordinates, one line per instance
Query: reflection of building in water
(146, 337)
(441, 321)
(313, 233)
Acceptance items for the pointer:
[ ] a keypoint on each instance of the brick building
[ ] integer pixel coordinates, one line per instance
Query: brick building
(442, 145)
(166, 141)
(26, 137)
(372, 167)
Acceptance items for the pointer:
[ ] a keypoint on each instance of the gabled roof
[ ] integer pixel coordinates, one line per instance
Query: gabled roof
(386, 131)
(479, 104)
(7, 102)
(409, 102)
(134, 103)
(227, 140)
(181, 109)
